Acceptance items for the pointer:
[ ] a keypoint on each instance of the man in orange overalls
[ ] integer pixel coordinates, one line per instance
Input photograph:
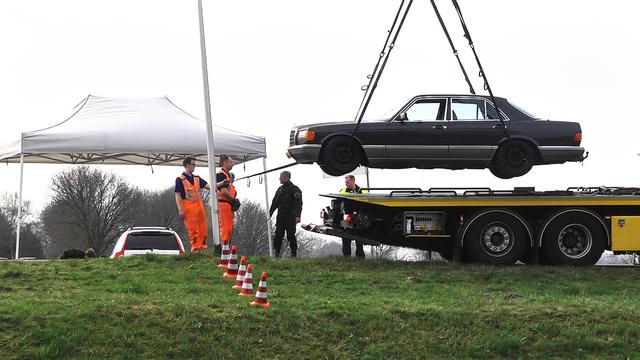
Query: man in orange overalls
(190, 206)
(227, 201)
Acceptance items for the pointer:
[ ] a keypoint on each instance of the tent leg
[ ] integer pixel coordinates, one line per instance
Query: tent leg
(266, 199)
(213, 200)
(19, 220)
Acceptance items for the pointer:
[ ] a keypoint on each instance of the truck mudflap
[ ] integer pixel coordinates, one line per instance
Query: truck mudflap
(327, 230)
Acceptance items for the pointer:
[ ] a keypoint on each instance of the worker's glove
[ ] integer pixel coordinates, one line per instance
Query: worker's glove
(235, 204)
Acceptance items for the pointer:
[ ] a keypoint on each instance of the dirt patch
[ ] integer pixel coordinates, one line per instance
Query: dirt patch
(511, 295)
(377, 282)
(5, 288)
(13, 275)
(414, 279)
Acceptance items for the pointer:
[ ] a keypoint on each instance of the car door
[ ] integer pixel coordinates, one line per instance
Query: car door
(416, 136)
(474, 131)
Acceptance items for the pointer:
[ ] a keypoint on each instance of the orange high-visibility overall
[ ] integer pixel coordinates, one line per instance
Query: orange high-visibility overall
(225, 213)
(194, 214)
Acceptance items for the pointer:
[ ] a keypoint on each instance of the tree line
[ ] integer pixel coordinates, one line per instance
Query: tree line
(90, 207)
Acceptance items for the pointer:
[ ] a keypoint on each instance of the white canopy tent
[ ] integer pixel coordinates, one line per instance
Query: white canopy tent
(135, 131)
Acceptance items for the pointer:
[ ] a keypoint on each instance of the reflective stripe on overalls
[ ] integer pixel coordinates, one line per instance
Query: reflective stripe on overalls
(194, 214)
(225, 212)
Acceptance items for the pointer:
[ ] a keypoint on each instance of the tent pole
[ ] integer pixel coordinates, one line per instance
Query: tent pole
(266, 200)
(19, 221)
(213, 199)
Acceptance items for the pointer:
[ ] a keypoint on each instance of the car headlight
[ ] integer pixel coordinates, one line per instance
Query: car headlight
(305, 136)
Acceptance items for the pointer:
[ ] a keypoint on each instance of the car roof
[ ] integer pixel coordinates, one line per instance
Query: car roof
(151, 229)
(459, 95)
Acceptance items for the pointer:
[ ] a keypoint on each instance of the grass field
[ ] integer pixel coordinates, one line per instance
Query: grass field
(324, 308)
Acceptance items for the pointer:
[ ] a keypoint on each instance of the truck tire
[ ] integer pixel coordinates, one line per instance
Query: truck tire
(496, 238)
(574, 238)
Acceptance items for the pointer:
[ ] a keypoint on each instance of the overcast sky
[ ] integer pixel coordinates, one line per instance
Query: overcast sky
(275, 64)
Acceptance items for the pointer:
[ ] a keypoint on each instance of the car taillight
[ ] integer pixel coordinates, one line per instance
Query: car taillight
(348, 218)
(179, 244)
(578, 136)
(124, 246)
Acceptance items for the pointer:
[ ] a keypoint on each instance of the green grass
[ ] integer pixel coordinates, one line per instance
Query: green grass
(327, 308)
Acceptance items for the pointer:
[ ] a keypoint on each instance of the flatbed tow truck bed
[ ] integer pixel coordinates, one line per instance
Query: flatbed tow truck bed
(561, 227)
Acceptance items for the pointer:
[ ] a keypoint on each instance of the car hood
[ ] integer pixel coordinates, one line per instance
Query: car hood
(339, 123)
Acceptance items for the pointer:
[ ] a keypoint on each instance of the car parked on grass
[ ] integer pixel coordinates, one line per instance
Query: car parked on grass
(441, 131)
(148, 240)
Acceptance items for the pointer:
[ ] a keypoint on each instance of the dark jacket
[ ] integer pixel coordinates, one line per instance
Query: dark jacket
(72, 254)
(288, 201)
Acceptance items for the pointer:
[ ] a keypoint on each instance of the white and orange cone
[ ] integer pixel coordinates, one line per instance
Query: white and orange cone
(261, 294)
(247, 283)
(232, 267)
(224, 256)
(241, 271)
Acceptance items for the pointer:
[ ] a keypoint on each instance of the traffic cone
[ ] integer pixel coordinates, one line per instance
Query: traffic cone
(261, 294)
(241, 272)
(232, 268)
(224, 256)
(247, 283)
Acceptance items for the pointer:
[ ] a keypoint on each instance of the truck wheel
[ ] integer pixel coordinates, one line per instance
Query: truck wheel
(340, 155)
(574, 238)
(497, 238)
(513, 159)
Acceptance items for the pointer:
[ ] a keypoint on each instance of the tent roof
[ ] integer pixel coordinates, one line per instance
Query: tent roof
(143, 131)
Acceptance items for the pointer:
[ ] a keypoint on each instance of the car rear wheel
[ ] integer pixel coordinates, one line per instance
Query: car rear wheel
(513, 158)
(340, 155)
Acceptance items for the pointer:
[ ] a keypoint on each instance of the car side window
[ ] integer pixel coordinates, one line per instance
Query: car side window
(427, 110)
(468, 109)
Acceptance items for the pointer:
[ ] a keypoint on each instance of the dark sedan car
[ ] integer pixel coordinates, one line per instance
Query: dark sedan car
(441, 131)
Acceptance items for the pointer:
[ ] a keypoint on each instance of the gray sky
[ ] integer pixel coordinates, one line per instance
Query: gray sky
(274, 64)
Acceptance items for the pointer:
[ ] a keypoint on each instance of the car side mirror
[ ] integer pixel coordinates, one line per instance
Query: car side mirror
(403, 117)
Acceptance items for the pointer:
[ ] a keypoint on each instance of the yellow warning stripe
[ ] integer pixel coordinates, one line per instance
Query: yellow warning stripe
(500, 201)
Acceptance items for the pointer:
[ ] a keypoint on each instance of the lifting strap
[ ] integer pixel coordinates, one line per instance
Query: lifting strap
(374, 77)
(267, 171)
(453, 48)
(467, 35)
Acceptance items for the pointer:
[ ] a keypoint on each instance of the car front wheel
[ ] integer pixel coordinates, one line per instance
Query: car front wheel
(513, 158)
(340, 155)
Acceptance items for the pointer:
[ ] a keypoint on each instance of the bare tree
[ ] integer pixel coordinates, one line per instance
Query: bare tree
(250, 229)
(90, 208)
(31, 238)
(9, 208)
(7, 249)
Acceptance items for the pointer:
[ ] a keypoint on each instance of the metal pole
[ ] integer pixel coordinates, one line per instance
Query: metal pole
(213, 199)
(366, 173)
(19, 221)
(266, 199)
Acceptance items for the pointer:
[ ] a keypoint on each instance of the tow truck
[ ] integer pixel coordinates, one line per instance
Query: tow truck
(565, 227)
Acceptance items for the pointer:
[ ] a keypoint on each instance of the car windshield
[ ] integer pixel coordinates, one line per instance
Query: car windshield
(151, 240)
(395, 109)
(529, 114)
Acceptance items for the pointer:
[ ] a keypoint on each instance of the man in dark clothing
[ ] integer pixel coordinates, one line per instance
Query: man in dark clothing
(352, 188)
(288, 202)
(78, 254)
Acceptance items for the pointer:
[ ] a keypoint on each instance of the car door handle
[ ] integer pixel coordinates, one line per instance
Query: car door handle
(500, 126)
(443, 127)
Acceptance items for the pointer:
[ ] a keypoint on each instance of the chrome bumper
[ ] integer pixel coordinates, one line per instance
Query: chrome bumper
(304, 154)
